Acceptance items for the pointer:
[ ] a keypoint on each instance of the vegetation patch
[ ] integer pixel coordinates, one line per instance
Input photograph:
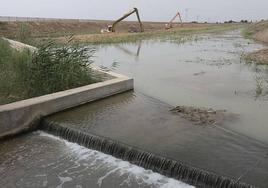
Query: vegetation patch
(49, 69)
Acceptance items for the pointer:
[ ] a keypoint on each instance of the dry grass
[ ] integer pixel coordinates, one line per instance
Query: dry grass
(258, 57)
(258, 32)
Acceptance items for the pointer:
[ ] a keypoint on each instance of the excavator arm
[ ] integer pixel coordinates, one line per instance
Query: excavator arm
(111, 28)
(169, 25)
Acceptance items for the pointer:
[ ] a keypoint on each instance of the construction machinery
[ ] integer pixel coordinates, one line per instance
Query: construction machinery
(169, 25)
(111, 28)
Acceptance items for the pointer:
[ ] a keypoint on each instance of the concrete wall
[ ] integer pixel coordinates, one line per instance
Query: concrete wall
(19, 46)
(25, 115)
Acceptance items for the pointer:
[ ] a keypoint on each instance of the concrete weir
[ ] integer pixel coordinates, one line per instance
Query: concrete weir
(163, 165)
(143, 131)
(24, 115)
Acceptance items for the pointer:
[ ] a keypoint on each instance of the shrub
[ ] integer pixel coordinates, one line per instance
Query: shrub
(50, 69)
(59, 68)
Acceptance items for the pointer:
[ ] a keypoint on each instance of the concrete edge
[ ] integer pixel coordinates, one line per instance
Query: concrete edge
(19, 46)
(24, 115)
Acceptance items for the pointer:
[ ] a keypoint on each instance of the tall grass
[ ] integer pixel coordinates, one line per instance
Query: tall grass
(49, 69)
(12, 67)
(54, 69)
(24, 33)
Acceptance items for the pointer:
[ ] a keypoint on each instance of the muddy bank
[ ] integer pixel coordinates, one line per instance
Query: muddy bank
(203, 116)
(259, 57)
(258, 32)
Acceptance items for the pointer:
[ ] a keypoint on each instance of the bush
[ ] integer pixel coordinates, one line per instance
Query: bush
(47, 70)
(54, 69)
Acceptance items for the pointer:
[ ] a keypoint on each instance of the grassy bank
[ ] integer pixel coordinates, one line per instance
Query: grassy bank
(134, 37)
(25, 74)
(89, 32)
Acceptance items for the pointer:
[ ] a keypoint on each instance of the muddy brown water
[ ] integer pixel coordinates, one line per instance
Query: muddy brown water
(204, 72)
(148, 124)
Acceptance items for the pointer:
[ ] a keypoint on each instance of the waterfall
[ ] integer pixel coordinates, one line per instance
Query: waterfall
(168, 167)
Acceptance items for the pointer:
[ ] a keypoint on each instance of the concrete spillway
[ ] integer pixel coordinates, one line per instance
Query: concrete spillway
(200, 156)
(39, 159)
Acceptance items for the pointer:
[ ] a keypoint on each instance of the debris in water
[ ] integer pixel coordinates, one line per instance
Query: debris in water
(202, 116)
(199, 73)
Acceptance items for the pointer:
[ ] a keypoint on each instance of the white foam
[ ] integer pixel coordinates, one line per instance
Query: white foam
(119, 167)
(63, 180)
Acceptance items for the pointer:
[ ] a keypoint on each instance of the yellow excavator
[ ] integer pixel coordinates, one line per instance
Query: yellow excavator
(169, 25)
(111, 28)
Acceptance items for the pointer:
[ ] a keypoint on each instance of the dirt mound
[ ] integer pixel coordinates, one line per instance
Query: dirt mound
(202, 116)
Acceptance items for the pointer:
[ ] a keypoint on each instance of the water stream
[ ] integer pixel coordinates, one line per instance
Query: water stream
(201, 71)
(42, 160)
(206, 71)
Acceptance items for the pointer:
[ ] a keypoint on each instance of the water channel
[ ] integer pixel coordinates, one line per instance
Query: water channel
(200, 71)
(205, 71)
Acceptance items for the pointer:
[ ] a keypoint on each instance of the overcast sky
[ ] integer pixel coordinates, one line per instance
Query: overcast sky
(150, 10)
